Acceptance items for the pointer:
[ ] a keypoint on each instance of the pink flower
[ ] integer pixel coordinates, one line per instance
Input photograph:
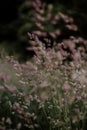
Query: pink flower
(66, 87)
(11, 88)
(72, 27)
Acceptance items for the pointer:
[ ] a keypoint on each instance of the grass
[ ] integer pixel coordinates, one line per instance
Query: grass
(38, 95)
(50, 91)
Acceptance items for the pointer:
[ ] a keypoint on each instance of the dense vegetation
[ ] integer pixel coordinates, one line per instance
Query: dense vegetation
(48, 91)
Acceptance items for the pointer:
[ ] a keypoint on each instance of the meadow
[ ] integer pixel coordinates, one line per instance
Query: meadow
(43, 93)
(48, 91)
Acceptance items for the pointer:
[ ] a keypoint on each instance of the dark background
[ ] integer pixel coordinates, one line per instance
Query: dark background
(12, 22)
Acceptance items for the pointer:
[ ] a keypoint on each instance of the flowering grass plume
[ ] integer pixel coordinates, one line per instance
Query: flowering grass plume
(43, 93)
(49, 91)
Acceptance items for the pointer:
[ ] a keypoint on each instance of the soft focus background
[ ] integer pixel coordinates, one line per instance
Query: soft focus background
(16, 19)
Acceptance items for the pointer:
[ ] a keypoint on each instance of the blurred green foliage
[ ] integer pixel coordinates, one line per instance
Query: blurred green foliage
(17, 20)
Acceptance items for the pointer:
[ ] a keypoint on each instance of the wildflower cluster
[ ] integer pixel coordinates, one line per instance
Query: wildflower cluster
(54, 29)
(42, 96)
(50, 90)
